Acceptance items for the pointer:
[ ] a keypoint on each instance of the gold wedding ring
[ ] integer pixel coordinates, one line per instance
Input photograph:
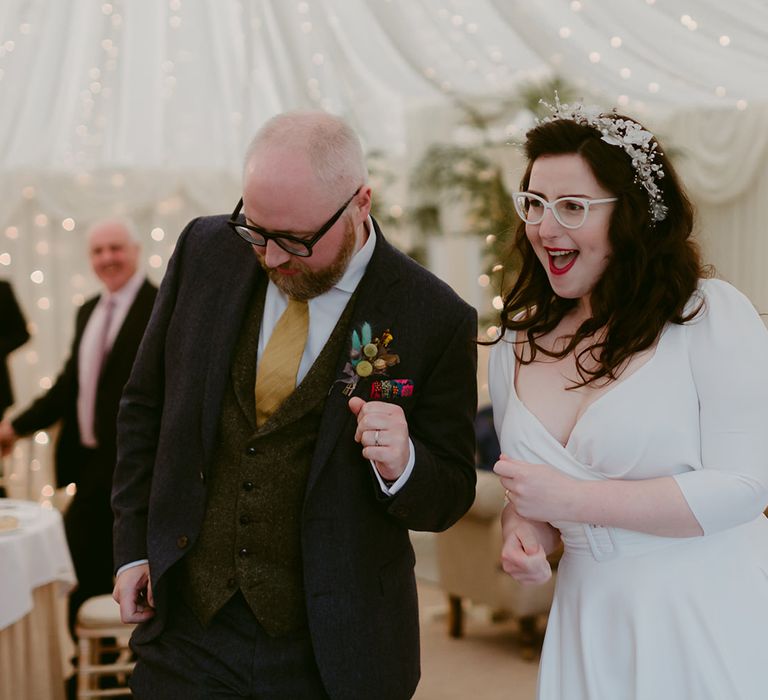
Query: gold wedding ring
(507, 496)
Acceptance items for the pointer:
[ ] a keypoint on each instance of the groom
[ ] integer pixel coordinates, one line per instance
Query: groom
(304, 395)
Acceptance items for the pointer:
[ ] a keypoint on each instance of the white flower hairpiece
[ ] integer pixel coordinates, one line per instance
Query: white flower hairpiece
(625, 133)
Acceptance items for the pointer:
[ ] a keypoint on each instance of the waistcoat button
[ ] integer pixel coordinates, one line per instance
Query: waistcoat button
(182, 542)
(251, 450)
(247, 486)
(243, 552)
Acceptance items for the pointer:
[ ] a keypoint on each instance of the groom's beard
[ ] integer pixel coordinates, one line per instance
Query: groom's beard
(308, 283)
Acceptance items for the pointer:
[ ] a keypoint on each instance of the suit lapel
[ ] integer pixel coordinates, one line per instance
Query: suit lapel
(375, 305)
(243, 364)
(226, 323)
(82, 318)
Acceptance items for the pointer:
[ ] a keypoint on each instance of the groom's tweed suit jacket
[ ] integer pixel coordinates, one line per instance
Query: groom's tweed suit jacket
(357, 560)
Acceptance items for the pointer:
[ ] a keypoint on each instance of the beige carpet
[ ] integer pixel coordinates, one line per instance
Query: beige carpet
(483, 665)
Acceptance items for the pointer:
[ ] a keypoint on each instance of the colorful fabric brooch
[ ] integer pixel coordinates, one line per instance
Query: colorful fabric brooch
(391, 388)
(368, 356)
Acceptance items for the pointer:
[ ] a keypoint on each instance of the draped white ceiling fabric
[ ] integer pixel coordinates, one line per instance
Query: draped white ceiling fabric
(183, 83)
(144, 108)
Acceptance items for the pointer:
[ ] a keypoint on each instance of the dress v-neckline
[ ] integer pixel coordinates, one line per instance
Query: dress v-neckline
(587, 409)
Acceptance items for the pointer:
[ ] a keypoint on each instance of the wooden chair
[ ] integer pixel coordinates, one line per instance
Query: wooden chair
(102, 648)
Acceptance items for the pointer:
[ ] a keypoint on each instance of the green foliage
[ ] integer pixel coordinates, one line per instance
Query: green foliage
(469, 174)
(382, 178)
(531, 94)
(447, 173)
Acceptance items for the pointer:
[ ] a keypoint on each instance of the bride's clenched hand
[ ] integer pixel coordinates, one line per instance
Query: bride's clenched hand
(523, 555)
(537, 491)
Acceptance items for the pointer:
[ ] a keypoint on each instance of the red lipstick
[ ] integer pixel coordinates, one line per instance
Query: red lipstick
(561, 270)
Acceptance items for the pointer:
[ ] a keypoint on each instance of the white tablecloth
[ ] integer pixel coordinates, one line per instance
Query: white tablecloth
(33, 555)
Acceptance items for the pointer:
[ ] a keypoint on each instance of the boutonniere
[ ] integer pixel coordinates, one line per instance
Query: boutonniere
(368, 356)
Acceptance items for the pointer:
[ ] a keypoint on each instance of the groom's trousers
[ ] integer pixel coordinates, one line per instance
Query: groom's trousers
(231, 658)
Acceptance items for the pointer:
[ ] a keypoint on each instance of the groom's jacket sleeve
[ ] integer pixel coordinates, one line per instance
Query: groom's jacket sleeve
(139, 421)
(441, 487)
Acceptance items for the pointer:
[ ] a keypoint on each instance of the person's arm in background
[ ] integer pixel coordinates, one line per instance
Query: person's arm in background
(13, 326)
(50, 406)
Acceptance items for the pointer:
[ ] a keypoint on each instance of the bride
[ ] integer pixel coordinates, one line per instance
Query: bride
(630, 395)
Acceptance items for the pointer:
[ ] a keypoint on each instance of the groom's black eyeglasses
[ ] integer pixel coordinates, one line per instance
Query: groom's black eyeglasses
(288, 242)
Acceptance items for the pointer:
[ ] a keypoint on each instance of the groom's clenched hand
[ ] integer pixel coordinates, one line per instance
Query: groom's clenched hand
(133, 592)
(383, 432)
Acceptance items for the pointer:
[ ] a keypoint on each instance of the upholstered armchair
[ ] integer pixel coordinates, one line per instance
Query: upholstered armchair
(469, 567)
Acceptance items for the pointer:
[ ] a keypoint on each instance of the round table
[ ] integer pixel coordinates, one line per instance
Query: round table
(36, 572)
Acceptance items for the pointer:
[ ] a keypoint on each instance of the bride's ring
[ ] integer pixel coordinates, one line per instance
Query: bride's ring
(376, 439)
(507, 496)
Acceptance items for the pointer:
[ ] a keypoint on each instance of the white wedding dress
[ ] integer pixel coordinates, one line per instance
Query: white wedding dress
(641, 617)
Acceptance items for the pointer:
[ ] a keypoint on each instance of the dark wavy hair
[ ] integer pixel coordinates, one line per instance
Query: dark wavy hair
(653, 270)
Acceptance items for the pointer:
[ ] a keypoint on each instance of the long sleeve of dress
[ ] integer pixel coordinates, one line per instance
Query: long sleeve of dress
(728, 350)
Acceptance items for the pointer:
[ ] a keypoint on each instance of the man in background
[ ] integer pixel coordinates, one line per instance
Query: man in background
(303, 397)
(85, 399)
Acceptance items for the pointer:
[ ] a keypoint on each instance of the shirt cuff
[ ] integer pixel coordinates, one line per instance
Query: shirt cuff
(395, 486)
(130, 565)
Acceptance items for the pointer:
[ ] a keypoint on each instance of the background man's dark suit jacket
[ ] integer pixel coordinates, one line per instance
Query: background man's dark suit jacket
(89, 519)
(357, 557)
(13, 333)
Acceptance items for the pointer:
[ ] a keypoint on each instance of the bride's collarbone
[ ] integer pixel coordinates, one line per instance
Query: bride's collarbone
(559, 379)
(552, 389)
(548, 390)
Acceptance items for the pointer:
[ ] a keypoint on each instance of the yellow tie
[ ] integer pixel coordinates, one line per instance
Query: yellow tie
(279, 365)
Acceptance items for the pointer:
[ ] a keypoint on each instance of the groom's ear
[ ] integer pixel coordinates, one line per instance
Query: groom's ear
(362, 203)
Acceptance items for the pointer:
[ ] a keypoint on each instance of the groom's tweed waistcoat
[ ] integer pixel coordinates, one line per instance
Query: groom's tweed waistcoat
(251, 534)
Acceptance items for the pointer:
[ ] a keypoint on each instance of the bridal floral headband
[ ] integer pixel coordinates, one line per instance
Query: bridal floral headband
(638, 144)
